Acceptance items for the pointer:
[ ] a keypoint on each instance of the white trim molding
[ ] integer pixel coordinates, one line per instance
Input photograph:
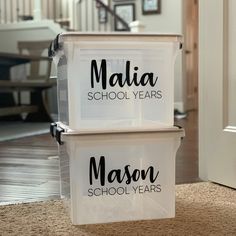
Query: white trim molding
(54, 27)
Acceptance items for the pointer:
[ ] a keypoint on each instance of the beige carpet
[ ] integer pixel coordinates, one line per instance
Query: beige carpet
(201, 209)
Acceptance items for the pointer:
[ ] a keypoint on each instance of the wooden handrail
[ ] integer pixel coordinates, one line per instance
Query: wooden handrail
(117, 17)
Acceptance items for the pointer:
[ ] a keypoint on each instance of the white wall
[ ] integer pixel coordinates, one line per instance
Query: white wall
(169, 22)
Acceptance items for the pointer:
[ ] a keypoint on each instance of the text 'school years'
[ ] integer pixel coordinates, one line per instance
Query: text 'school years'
(120, 80)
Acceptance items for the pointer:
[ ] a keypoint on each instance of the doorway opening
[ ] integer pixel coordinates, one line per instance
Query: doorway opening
(187, 155)
(190, 28)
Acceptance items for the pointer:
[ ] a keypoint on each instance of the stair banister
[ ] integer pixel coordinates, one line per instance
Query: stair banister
(117, 17)
(37, 10)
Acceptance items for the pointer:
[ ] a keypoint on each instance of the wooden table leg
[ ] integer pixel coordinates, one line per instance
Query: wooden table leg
(42, 115)
(7, 99)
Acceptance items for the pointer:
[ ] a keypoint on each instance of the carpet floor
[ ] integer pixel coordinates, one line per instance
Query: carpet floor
(201, 209)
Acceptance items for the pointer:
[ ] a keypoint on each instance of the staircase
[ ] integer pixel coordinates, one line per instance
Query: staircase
(71, 15)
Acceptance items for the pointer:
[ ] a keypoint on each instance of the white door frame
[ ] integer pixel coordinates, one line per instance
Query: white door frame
(217, 138)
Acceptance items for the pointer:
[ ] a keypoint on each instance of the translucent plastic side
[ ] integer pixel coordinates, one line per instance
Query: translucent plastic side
(62, 91)
(119, 84)
(122, 178)
(64, 161)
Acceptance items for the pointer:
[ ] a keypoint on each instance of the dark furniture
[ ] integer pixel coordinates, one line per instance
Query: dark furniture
(37, 109)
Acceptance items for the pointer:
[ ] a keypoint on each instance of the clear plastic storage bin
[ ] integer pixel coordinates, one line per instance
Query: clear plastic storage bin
(118, 176)
(113, 81)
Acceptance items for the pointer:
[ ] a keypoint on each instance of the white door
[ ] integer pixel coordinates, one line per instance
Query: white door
(217, 83)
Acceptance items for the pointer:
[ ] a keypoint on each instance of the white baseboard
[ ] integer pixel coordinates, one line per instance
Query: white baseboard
(179, 106)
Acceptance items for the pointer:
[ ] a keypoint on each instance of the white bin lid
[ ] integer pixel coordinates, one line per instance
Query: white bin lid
(62, 132)
(69, 132)
(175, 132)
(119, 37)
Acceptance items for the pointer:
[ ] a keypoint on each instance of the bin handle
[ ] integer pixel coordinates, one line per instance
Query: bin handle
(53, 126)
(59, 130)
(54, 46)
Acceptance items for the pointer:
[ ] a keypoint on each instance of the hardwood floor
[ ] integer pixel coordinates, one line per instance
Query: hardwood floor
(187, 155)
(29, 167)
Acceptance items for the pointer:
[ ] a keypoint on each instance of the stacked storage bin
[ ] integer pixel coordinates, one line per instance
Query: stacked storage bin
(115, 101)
